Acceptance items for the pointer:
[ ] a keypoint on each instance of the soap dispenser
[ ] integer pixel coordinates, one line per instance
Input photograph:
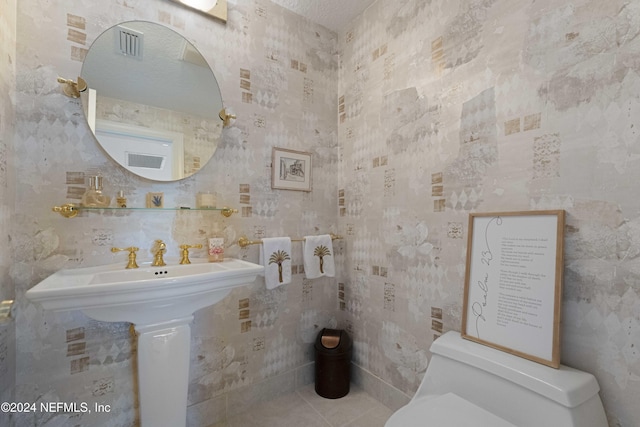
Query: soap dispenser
(216, 245)
(94, 197)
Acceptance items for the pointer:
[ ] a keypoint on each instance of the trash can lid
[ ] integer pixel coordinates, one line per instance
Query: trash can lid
(330, 338)
(335, 340)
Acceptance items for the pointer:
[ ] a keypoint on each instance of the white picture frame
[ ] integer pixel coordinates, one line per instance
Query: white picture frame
(291, 170)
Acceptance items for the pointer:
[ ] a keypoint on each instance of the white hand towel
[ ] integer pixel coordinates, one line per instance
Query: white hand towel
(317, 254)
(276, 258)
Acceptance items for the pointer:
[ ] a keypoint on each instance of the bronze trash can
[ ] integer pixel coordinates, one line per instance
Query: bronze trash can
(333, 363)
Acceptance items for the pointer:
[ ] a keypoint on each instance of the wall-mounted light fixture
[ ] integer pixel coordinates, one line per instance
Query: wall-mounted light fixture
(215, 8)
(72, 89)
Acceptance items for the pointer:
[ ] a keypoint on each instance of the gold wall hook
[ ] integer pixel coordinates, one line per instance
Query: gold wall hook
(72, 89)
(226, 117)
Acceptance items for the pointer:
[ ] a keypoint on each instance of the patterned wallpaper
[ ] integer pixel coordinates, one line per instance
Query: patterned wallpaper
(277, 72)
(7, 195)
(442, 108)
(447, 108)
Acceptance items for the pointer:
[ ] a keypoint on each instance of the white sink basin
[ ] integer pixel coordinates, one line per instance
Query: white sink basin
(143, 295)
(160, 302)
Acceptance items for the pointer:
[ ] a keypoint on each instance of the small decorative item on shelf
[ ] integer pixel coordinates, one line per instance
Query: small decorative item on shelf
(94, 197)
(155, 200)
(121, 200)
(206, 200)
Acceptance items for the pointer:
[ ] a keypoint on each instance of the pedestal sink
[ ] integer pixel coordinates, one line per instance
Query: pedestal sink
(160, 302)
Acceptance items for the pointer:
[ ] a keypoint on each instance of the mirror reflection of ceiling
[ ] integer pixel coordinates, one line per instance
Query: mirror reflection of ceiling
(155, 57)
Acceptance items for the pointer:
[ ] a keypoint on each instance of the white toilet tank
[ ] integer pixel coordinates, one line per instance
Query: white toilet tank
(467, 383)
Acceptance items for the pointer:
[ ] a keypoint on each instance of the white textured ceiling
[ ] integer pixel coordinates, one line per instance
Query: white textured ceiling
(333, 14)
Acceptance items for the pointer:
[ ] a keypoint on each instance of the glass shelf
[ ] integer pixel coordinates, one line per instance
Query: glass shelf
(85, 208)
(71, 210)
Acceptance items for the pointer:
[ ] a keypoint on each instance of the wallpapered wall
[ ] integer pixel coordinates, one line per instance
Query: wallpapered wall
(451, 107)
(277, 72)
(443, 108)
(7, 194)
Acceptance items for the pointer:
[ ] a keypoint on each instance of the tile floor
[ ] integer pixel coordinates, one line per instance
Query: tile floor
(305, 408)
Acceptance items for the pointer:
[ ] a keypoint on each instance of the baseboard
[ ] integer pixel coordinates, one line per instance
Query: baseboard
(382, 391)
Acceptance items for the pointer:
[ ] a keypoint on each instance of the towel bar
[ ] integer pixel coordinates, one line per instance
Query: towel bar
(243, 242)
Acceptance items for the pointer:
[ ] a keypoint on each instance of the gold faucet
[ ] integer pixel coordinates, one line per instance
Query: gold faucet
(158, 250)
(132, 255)
(185, 252)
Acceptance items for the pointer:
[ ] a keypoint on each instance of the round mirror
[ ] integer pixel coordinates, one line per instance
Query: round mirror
(152, 101)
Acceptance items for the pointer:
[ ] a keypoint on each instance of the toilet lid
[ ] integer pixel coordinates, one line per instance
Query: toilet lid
(446, 410)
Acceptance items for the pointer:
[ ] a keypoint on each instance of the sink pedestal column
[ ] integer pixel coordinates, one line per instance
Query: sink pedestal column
(163, 372)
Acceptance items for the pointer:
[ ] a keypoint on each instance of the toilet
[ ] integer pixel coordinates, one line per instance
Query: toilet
(469, 384)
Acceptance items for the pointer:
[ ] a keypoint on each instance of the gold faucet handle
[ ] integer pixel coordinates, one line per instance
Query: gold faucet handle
(185, 252)
(132, 255)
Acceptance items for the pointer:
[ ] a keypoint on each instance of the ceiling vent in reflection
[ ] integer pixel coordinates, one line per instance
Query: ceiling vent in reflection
(129, 42)
(145, 161)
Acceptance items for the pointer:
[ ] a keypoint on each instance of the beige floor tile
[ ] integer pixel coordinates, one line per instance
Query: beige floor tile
(305, 408)
(341, 412)
(287, 411)
(376, 417)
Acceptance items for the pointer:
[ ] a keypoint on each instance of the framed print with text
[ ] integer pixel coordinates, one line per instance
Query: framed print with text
(513, 283)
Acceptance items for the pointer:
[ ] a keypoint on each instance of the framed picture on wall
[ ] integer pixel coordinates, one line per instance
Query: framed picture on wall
(513, 283)
(291, 170)
(155, 200)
